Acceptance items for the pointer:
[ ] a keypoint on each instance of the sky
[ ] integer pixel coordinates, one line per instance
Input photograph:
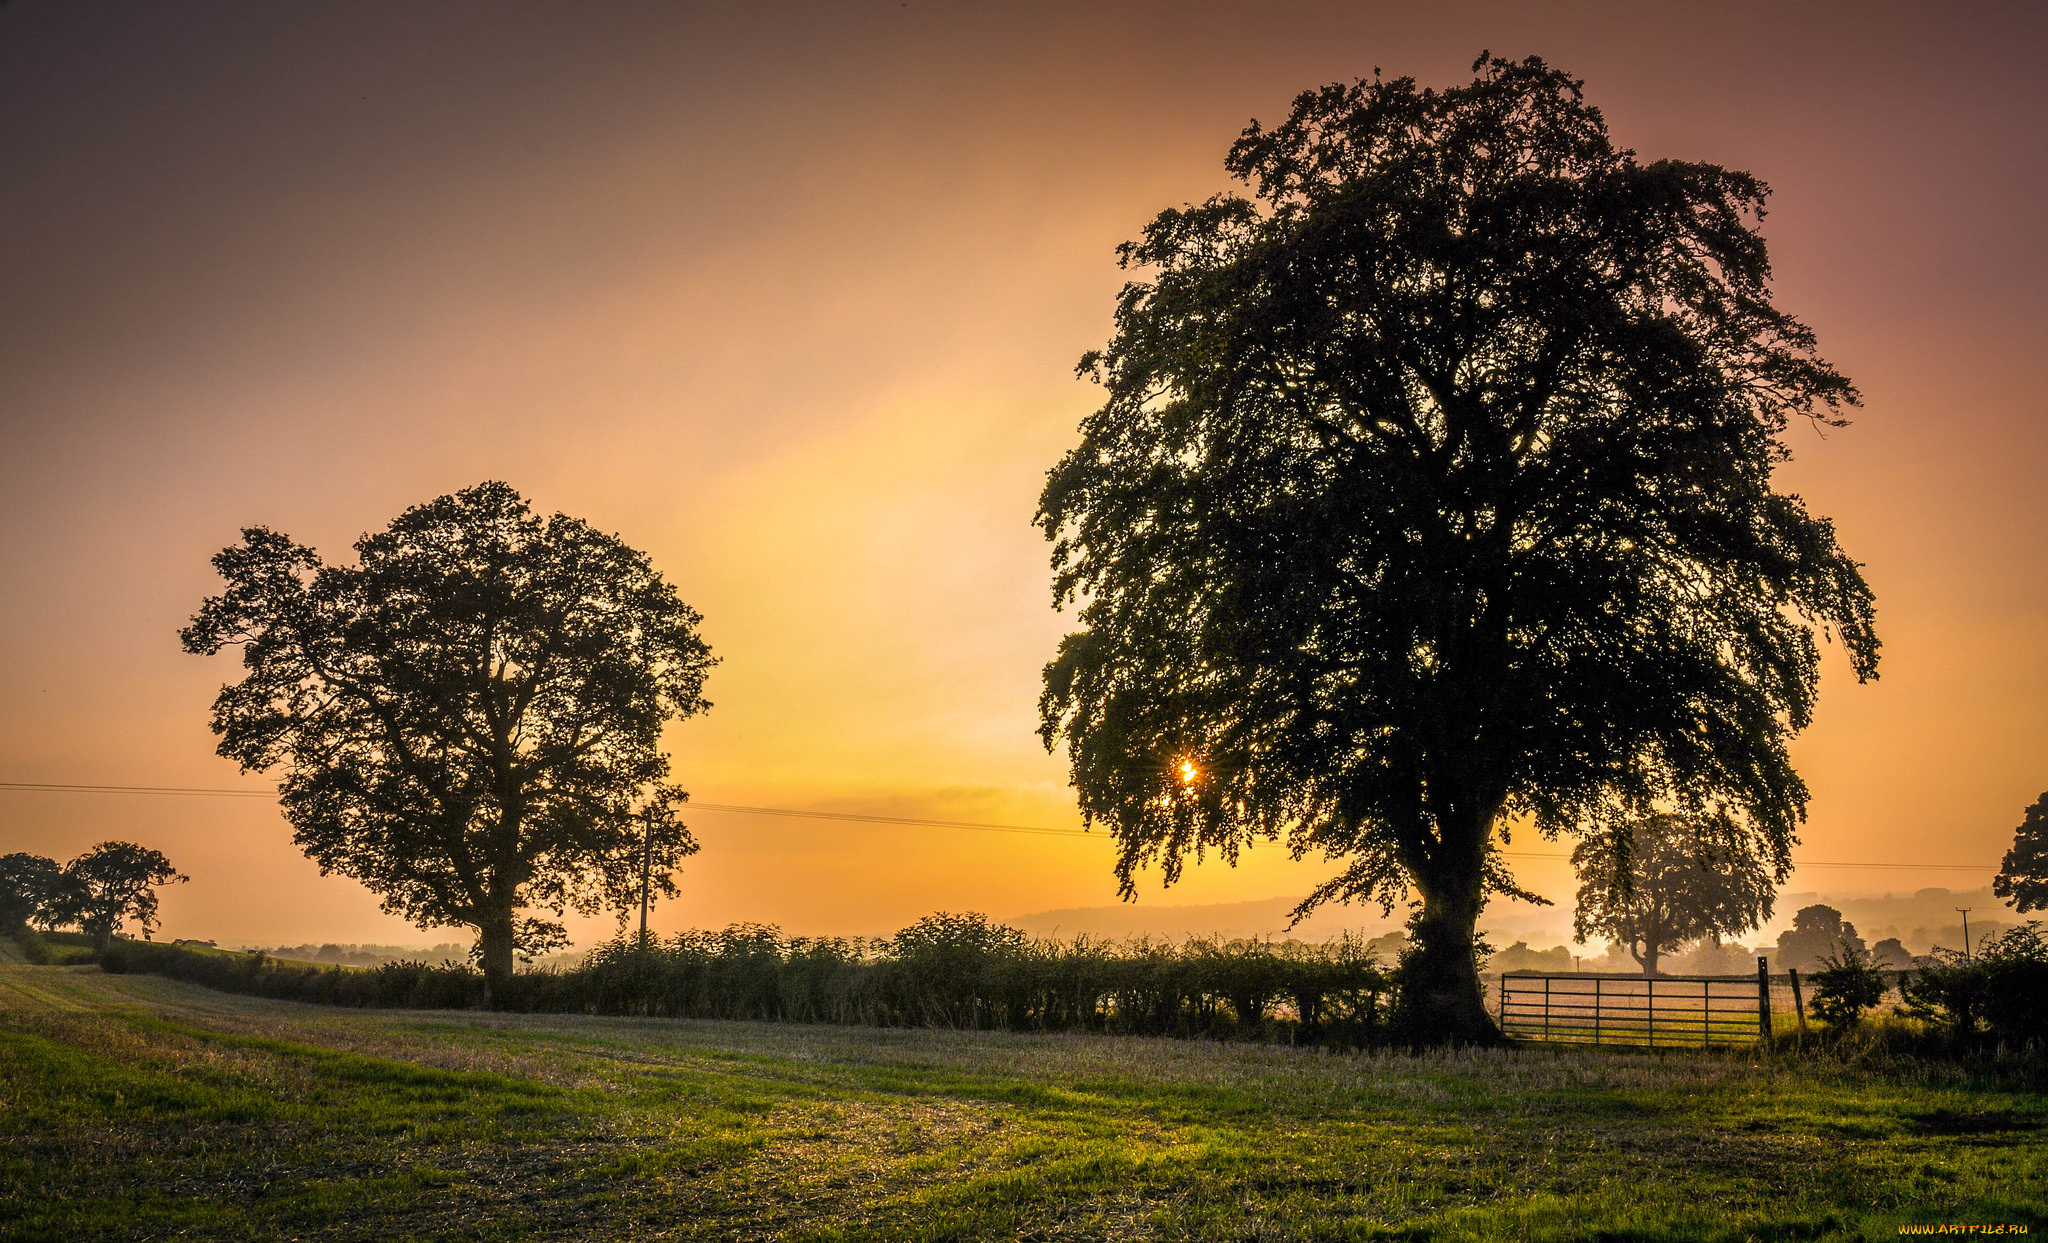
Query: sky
(790, 297)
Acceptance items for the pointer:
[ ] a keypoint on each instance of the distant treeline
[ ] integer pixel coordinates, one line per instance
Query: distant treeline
(367, 955)
(957, 971)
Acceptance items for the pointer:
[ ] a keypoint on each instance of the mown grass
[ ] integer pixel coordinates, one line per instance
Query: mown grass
(138, 1107)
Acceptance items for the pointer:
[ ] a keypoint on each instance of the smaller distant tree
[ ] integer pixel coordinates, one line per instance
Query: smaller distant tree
(2023, 880)
(1387, 947)
(111, 884)
(1818, 933)
(1891, 954)
(29, 888)
(1654, 884)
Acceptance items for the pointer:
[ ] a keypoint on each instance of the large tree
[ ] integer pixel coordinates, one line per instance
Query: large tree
(1433, 490)
(468, 719)
(109, 885)
(2023, 878)
(1654, 884)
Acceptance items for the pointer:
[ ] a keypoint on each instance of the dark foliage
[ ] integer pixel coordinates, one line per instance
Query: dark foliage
(957, 971)
(109, 885)
(1998, 994)
(30, 887)
(2023, 877)
(1433, 488)
(1846, 985)
(1656, 884)
(466, 717)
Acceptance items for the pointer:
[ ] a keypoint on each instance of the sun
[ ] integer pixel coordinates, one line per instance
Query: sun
(1189, 774)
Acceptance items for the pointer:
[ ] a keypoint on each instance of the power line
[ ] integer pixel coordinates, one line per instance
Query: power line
(215, 791)
(1040, 830)
(859, 818)
(52, 788)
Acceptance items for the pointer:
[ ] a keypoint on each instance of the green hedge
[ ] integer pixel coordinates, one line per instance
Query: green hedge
(33, 945)
(1997, 996)
(944, 971)
(403, 984)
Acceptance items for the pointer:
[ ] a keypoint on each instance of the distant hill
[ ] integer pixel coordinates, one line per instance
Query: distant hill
(1922, 920)
(367, 955)
(455, 952)
(1264, 917)
(1505, 921)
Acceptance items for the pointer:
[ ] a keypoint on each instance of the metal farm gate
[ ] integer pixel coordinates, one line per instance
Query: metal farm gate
(1657, 1011)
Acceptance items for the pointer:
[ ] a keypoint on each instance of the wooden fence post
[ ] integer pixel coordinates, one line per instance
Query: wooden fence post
(1650, 1006)
(1798, 999)
(1763, 999)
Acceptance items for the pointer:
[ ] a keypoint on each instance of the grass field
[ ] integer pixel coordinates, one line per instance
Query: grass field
(138, 1107)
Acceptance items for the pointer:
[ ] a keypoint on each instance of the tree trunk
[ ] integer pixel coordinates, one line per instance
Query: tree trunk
(1654, 937)
(495, 939)
(1442, 1001)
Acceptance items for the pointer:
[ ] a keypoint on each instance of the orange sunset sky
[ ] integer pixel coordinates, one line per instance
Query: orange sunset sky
(790, 297)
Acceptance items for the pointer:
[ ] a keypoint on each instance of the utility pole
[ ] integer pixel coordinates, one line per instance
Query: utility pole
(646, 867)
(1966, 930)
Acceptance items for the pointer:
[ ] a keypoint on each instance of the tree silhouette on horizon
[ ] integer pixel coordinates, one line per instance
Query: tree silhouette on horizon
(107, 886)
(1432, 491)
(468, 718)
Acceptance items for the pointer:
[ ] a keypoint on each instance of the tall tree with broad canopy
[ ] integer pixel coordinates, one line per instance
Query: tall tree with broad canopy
(468, 719)
(2023, 877)
(1432, 493)
(1664, 881)
(109, 885)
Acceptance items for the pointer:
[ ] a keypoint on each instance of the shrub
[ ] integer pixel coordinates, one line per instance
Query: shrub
(1845, 986)
(1999, 994)
(950, 970)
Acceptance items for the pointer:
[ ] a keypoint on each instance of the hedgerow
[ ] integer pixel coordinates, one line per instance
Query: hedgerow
(958, 971)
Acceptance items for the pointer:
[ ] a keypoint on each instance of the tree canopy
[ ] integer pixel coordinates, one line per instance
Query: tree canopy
(1658, 883)
(29, 888)
(110, 884)
(468, 718)
(1818, 933)
(1433, 489)
(2023, 877)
